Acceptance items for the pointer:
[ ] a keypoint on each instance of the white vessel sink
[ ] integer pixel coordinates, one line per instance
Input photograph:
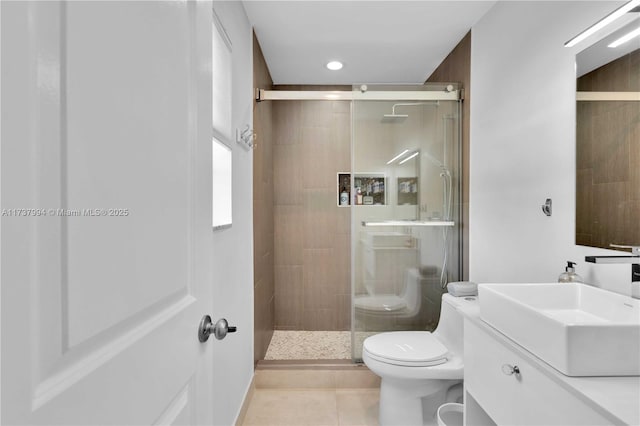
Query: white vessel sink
(578, 329)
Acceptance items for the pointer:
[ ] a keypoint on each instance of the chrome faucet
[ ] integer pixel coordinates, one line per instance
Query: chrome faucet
(634, 260)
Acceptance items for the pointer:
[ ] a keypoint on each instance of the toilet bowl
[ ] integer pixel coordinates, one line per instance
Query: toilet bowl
(420, 370)
(406, 304)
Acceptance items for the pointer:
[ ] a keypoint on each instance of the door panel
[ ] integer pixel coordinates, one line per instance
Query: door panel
(103, 289)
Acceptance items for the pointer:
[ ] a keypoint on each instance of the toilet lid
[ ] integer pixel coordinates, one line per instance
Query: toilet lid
(410, 348)
(380, 302)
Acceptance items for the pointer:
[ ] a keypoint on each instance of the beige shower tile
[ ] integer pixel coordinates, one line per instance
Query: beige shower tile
(288, 233)
(289, 292)
(320, 319)
(343, 312)
(287, 118)
(358, 406)
(341, 139)
(292, 407)
(319, 280)
(287, 176)
(318, 158)
(320, 218)
(342, 263)
(343, 220)
(341, 106)
(316, 113)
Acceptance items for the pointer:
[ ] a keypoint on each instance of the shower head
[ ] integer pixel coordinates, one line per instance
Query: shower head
(395, 116)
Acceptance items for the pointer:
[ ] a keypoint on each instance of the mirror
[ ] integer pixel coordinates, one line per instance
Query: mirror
(608, 141)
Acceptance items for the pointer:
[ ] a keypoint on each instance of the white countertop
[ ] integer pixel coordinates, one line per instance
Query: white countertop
(617, 398)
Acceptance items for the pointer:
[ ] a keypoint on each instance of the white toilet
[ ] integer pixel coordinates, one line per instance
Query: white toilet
(405, 304)
(420, 370)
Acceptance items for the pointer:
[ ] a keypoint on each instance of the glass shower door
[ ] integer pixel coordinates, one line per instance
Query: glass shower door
(405, 210)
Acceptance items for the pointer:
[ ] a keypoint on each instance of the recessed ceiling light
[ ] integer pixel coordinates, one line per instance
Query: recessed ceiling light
(334, 65)
(626, 38)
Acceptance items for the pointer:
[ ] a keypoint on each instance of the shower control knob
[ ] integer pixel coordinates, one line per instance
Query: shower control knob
(219, 329)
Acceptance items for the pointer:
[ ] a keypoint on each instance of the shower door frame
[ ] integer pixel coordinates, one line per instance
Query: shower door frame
(455, 94)
(455, 219)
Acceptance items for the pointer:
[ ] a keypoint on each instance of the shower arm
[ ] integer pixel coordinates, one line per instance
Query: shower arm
(393, 108)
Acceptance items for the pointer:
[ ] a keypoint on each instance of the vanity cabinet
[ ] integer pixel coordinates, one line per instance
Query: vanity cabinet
(506, 385)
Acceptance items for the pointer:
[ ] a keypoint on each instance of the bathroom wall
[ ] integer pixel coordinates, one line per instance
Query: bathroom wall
(311, 233)
(233, 247)
(263, 255)
(523, 146)
(457, 68)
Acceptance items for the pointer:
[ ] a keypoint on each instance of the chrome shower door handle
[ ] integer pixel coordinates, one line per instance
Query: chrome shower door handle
(219, 329)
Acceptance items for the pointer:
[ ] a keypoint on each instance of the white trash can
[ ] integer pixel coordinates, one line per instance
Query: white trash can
(450, 414)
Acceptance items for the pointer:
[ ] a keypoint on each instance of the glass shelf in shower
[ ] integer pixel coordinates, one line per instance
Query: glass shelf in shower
(408, 223)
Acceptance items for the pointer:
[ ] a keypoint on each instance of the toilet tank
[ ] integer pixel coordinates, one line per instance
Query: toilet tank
(451, 326)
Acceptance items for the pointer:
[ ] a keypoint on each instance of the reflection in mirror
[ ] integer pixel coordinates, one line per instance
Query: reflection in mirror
(608, 142)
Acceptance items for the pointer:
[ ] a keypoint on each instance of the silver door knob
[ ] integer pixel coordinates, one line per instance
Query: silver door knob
(219, 329)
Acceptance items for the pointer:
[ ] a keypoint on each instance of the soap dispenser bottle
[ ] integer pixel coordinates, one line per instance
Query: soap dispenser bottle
(569, 275)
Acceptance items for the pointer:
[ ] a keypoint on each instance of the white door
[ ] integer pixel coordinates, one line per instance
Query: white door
(106, 134)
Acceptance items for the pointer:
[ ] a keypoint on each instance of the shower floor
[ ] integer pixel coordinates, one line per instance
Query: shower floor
(300, 345)
(287, 344)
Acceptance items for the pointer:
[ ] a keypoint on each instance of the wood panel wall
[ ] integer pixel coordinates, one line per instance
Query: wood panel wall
(457, 68)
(263, 255)
(311, 233)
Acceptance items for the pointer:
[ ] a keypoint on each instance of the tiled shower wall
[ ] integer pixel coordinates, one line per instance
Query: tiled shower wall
(311, 233)
(457, 68)
(263, 284)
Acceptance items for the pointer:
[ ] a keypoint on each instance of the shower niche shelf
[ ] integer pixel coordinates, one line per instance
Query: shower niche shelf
(408, 223)
(372, 189)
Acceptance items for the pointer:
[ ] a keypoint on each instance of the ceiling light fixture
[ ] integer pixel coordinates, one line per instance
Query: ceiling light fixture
(397, 156)
(337, 65)
(626, 38)
(409, 157)
(603, 22)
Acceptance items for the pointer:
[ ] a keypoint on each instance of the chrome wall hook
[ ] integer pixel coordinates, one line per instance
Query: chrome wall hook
(546, 207)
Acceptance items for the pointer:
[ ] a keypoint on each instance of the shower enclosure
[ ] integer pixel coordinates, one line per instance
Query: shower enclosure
(405, 214)
(366, 212)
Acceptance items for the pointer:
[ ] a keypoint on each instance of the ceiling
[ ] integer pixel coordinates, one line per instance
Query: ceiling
(378, 41)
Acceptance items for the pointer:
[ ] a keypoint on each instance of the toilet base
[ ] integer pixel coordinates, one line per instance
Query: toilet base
(412, 402)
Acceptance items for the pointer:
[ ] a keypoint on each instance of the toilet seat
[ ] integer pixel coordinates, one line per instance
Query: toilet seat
(380, 303)
(407, 348)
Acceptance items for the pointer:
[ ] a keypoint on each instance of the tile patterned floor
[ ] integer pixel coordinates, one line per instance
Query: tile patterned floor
(301, 407)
